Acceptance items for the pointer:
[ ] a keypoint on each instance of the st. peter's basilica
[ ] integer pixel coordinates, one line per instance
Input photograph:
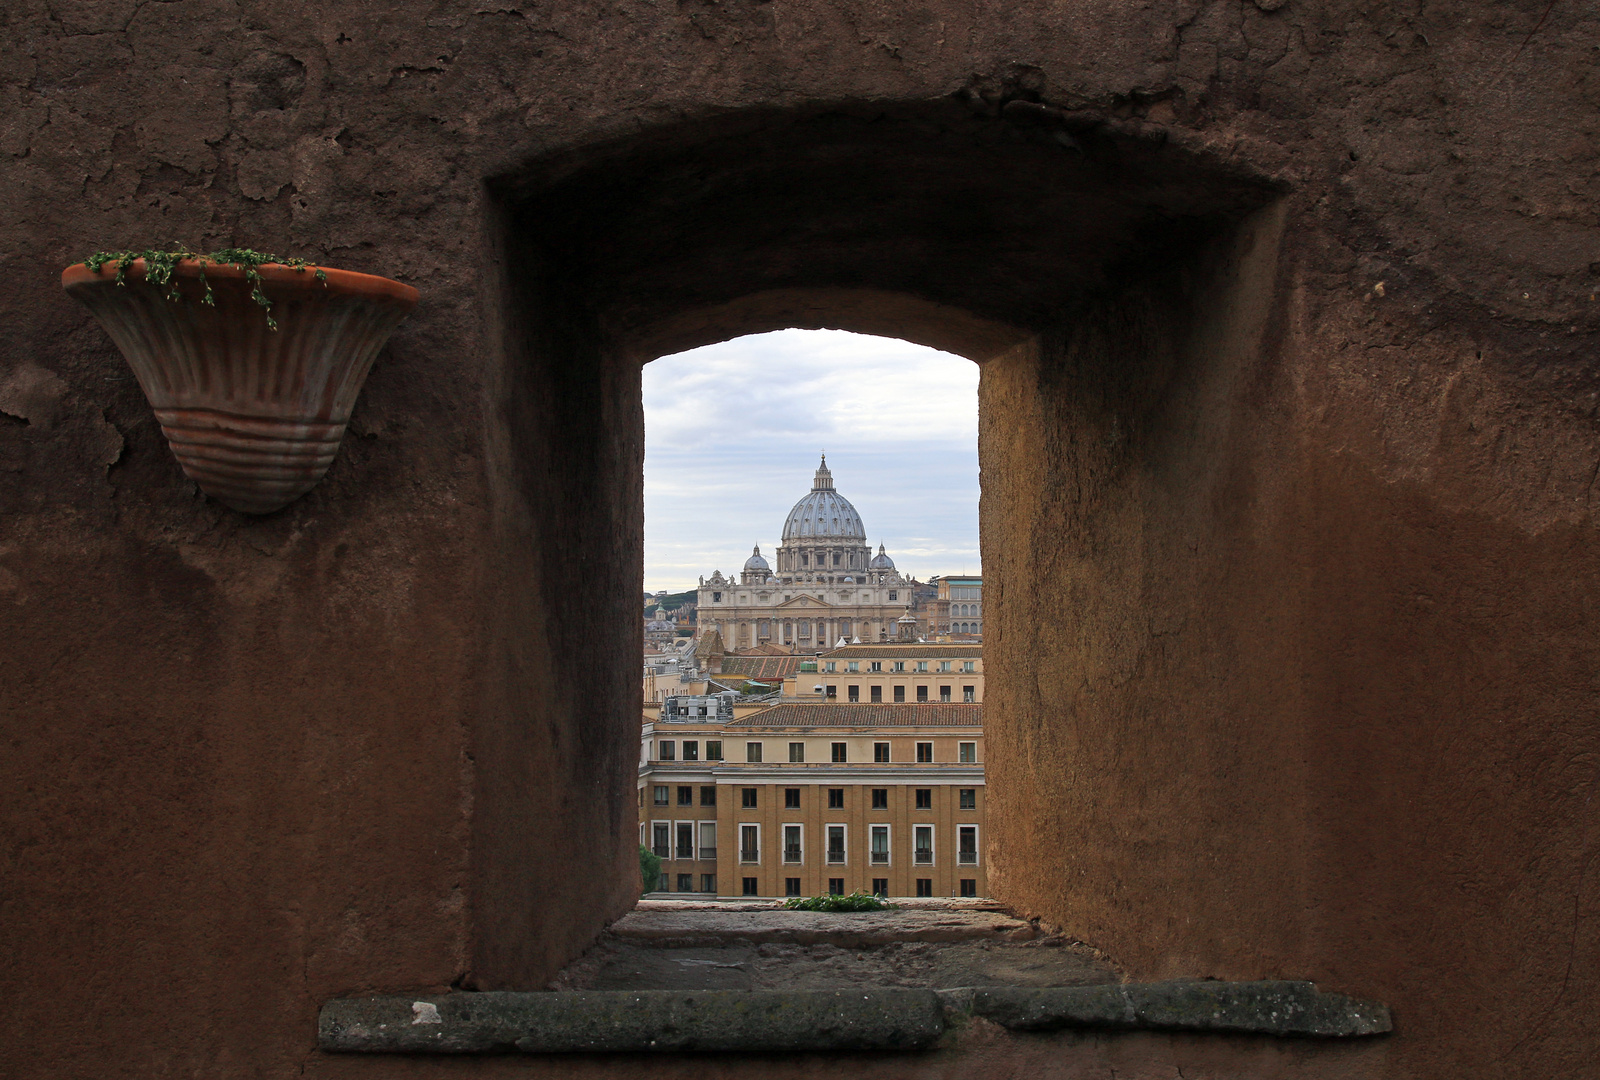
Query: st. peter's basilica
(828, 586)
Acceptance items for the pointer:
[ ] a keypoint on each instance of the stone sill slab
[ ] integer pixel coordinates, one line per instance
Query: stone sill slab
(765, 1021)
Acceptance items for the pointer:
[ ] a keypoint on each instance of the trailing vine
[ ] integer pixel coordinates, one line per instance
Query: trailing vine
(161, 265)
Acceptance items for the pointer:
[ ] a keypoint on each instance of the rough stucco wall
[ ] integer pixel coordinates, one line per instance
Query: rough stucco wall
(242, 758)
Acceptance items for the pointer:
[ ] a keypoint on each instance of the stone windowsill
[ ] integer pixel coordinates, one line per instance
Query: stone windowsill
(888, 1018)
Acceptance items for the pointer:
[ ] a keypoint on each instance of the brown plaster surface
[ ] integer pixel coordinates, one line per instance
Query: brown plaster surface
(1287, 516)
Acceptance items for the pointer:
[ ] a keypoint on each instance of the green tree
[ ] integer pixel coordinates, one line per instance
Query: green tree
(649, 868)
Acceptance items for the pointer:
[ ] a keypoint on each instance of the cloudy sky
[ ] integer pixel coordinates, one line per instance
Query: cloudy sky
(733, 432)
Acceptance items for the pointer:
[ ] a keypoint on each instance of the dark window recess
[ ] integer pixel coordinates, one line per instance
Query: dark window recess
(685, 841)
(708, 796)
(714, 750)
(900, 695)
(836, 886)
(924, 753)
(880, 752)
(691, 749)
(686, 883)
(852, 693)
(924, 798)
(839, 751)
(944, 693)
(797, 751)
(922, 693)
(836, 798)
(791, 886)
(924, 886)
(969, 798)
(791, 798)
(969, 886)
(747, 798)
(685, 795)
(708, 883)
(880, 798)
(877, 695)
(880, 886)
(833, 692)
(661, 795)
(750, 888)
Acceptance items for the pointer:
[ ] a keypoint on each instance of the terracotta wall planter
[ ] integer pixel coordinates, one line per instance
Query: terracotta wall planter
(254, 415)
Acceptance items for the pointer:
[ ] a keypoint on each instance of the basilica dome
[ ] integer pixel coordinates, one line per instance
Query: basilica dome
(824, 514)
(881, 561)
(756, 562)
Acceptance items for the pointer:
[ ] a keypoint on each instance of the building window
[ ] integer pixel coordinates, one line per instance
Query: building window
(924, 886)
(944, 693)
(836, 798)
(838, 751)
(880, 886)
(661, 839)
(922, 845)
(714, 750)
(747, 798)
(876, 665)
(880, 752)
(899, 665)
(797, 751)
(691, 749)
(750, 888)
(944, 665)
(877, 695)
(662, 795)
(880, 845)
(893, 596)
(686, 883)
(716, 598)
(686, 840)
(805, 629)
(880, 798)
(788, 629)
(836, 848)
(853, 665)
(967, 845)
(752, 751)
(708, 796)
(924, 753)
(668, 750)
(899, 695)
(922, 665)
(924, 798)
(791, 886)
(852, 693)
(708, 883)
(833, 691)
(791, 798)
(832, 665)
(922, 693)
(968, 666)
(836, 886)
(969, 753)
(685, 795)
(750, 843)
(708, 840)
(792, 852)
(969, 798)
(969, 886)
(969, 694)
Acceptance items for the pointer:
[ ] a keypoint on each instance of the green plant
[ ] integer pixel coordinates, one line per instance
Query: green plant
(856, 901)
(649, 869)
(160, 265)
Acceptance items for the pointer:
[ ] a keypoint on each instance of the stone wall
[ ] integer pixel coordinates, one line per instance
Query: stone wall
(1287, 326)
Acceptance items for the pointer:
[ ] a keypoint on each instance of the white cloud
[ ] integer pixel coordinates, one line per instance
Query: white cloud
(733, 432)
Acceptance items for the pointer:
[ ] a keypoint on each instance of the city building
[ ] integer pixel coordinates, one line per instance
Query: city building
(827, 584)
(898, 673)
(804, 798)
(962, 600)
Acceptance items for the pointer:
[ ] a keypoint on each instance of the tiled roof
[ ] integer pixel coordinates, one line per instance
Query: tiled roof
(764, 650)
(969, 650)
(763, 667)
(859, 716)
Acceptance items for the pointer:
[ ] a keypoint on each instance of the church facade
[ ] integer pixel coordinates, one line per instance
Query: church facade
(827, 585)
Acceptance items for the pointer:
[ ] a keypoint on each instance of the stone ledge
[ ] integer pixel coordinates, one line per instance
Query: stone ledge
(1278, 1007)
(644, 1020)
(754, 1021)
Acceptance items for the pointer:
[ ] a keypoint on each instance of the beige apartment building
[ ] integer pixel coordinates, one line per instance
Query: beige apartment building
(806, 798)
(893, 673)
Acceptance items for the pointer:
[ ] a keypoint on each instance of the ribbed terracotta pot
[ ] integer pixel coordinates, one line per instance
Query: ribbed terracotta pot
(254, 415)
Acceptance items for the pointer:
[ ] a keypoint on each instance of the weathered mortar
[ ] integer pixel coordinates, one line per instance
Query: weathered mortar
(1310, 693)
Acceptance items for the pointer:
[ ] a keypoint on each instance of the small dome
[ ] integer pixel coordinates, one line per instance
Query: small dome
(824, 514)
(881, 561)
(756, 562)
